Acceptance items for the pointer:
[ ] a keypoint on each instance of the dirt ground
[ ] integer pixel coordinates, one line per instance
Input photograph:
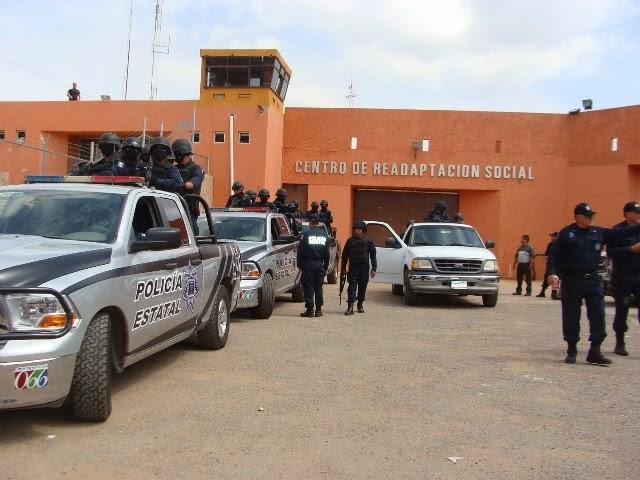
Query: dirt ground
(445, 390)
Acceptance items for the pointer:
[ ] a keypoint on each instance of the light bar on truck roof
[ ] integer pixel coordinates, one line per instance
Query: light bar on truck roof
(247, 209)
(95, 179)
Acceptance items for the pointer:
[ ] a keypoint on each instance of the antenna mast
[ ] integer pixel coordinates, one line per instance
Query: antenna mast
(155, 46)
(126, 74)
(351, 95)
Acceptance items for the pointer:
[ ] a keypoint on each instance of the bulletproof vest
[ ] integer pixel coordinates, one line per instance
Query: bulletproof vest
(162, 170)
(241, 200)
(359, 251)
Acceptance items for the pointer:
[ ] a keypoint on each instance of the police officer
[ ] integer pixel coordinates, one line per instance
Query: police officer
(131, 151)
(574, 257)
(252, 194)
(625, 254)
(280, 203)
(238, 199)
(192, 177)
(313, 259)
(163, 174)
(438, 213)
(264, 195)
(145, 156)
(109, 164)
(357, 252)
(325, 214)
(458, 218)
(314, 209)
(294, 208)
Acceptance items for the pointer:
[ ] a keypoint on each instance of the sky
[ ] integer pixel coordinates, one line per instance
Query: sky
(477, 55)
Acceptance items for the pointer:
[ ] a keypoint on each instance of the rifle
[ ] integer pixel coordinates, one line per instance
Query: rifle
(343, 280)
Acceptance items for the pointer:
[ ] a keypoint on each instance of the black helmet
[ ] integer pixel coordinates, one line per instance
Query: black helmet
(181, 147)
(324, 203)
(440, 205)
(295, 202)
(160, 142)
(237, 186)
(252, 193)
(131, 143)
(264, 193)
(314, 204)
(109, 138)
(281, 192)
(144, 155)
(360, 224)
(458, 217)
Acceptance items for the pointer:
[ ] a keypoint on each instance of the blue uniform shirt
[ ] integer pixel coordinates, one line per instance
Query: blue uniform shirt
(624, 260)
(313, 249)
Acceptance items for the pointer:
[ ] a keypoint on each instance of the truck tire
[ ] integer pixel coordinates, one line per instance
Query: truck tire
(91, 386)
(297, 294)
(396, 289)
(214, 335)
(267, 299)
(490, 299)
(410, 297)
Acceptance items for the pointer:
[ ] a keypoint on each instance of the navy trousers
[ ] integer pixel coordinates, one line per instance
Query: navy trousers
(575, 288)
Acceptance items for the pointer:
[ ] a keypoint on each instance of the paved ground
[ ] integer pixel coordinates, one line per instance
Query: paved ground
(396, 393)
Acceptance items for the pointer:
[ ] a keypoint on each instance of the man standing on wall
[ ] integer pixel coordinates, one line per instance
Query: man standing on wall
(523, 260)
(73, 94)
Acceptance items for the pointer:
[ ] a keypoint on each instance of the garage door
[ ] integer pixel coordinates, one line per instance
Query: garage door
(395, 207)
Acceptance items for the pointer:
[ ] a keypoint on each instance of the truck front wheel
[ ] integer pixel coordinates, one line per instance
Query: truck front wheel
(267, 299)
(490, 299)
(91, 387)
(215, 333)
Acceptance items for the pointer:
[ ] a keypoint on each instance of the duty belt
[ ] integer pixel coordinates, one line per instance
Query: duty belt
(583, 274)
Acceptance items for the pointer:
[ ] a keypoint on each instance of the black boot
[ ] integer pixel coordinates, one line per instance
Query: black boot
(572, 351)
(620, 346)
(307, 313)
(360, 308)
(318, 312)
(554, 295)
(349, 309)
(595, 355)
(541, 294)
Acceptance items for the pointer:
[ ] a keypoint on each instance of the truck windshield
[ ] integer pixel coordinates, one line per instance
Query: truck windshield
(86, 216)
(444, 235)
(248, 229)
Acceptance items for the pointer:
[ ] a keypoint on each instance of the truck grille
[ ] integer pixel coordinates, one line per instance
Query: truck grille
(454, 265)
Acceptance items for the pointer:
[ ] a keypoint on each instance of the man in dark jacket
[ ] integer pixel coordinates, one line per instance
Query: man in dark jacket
(313, 259)
(192, 177)
(357, 252)
(438, 213)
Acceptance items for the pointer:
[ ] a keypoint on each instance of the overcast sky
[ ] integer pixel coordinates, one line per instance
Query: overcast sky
(495, 55)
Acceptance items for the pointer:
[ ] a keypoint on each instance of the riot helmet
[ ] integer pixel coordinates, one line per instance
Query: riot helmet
(440, 206)
(144, 154)
(131, 148)
(295, 202)
(181, 147)
(264, 194)
(108, 144)
(324, 203)
(160, 149)
(360, 224)
(458, 218)
(252, 194)
(281, 192)
(314, 205)
(237, 186)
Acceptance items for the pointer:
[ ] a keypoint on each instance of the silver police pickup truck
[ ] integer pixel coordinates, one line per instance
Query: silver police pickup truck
(96, 277)
(268, 247)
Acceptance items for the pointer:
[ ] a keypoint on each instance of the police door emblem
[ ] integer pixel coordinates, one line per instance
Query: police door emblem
(191, 289)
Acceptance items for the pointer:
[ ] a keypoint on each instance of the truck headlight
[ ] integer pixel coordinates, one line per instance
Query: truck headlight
(490, 266)
(250, 271)
(421, 264)
(33, 312)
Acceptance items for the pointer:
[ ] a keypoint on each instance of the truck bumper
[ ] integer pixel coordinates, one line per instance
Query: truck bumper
(41, 381)
(457, 285)
(248, 296)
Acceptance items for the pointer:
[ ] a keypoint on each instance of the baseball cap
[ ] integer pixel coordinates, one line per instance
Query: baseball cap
(314, 218)
(583, 209)
(631, 207)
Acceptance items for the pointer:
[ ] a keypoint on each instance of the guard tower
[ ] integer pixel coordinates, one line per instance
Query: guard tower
(244, 77)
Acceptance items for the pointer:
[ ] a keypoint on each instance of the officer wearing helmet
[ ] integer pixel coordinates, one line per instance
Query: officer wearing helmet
(325, 214)
(252, 194)
(314, 209)
(131, 151)
(192, 177)
(264, 195)
(238, 198)
(357, 252)
(145, 156)
(163, 174)
(458, 218)
(109, 164)
(438, 213)
(293, 207)
(280, 203)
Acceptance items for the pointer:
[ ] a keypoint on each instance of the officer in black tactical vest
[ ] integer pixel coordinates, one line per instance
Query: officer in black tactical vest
(263, 195)
(163, 175)
(131, 151)
(238, 199)
(108, 165)
(357, 252)
(192, 177)
(252, 194)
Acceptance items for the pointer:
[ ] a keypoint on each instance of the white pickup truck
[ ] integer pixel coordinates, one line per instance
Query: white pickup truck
(95, 277)
(445, 258)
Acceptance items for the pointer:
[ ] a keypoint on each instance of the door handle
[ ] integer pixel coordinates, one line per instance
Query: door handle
(196, 261)
(170, 266)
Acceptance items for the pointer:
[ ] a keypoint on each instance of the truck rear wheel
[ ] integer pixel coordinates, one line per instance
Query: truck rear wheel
(91, 387)
(267, 299)
(490, 299)
(214, 334)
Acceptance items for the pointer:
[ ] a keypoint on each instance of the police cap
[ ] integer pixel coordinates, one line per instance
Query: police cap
(631, 207)
(584, 209)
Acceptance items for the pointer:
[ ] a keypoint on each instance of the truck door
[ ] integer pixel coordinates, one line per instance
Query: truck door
(389, 253)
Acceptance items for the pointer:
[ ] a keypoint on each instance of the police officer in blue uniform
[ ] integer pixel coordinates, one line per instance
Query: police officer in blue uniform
(574, 257)
(192, 177)
(131, 150)
(163, 174)
(357, 251)
(313, 259)
(625, 254)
